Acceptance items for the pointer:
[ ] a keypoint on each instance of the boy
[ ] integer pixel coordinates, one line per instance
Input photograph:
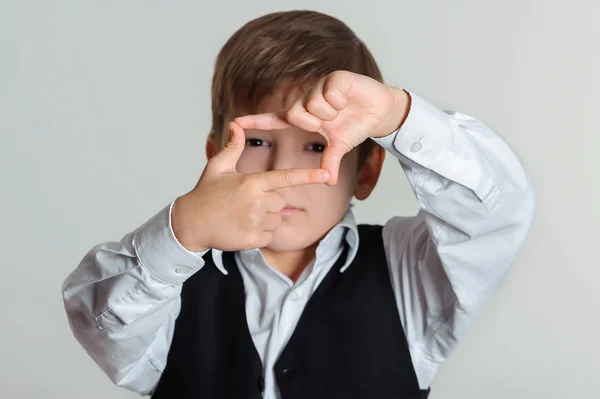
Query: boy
(258, 282)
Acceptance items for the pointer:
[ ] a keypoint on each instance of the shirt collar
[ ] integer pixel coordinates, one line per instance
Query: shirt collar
(346, 228)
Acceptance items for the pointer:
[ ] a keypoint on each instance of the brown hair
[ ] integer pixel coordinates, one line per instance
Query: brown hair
(281, 51)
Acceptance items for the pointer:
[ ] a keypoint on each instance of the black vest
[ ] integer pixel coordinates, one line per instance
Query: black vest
(348, 344)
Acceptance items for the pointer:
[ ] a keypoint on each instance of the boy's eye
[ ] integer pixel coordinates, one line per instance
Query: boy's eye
(254, 142)
(316, 147)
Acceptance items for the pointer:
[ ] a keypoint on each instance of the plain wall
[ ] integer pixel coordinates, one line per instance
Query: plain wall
(104, 111)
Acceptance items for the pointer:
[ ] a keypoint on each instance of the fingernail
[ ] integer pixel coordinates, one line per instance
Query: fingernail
(324, 175)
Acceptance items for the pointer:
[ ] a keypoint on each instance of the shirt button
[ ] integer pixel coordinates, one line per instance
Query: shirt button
(295, 296)
(182, 269)
(416, 146)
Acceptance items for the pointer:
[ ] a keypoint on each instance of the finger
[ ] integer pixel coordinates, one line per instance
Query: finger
(277, 179)
(331, 158)
(317, 104)
(267, 121)
(229, 155)
(336, 99)
(299, 116)
(264, 239)
(270, 221)
(336, 89)
(273, 201)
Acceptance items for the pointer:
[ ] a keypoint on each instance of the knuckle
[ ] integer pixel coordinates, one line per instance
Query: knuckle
(295, 113)
(291, 114)
(338, 74)
(249, 219)
(255, 205)
(339, 149)
(312, 105)
(245, 180)
(254, 218)
(287, 177)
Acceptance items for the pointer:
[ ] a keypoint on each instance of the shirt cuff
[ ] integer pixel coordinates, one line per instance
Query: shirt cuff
(161, 254)
(423, 136)
(430, 138)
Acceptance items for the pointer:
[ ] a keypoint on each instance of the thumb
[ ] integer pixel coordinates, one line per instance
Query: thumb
(227, 158)
(331, 158)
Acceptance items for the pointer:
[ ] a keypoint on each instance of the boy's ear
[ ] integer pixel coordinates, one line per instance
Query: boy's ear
(211, 147)
(369, 173)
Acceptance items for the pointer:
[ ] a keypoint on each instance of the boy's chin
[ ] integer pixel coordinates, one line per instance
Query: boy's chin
(288, 241)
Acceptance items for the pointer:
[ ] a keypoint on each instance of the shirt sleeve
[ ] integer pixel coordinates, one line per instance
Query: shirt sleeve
(123, 298)
(476, 206)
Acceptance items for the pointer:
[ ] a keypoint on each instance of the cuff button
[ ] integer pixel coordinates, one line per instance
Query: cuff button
(416, 146)
(182, 269)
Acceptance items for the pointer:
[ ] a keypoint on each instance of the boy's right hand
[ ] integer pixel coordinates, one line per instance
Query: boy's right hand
(231, 211)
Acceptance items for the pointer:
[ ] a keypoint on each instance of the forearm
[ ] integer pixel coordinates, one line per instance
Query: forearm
(476, 206)
(123, 299)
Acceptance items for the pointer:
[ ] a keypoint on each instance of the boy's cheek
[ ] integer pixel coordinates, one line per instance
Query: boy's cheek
(252, 162)
(257, 160)
(349, 170)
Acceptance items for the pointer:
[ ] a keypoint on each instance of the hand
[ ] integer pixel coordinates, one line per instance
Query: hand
(230, 211)
(344, 107)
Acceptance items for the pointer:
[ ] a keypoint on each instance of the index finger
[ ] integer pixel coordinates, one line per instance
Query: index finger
(267, 121)
(277, 179)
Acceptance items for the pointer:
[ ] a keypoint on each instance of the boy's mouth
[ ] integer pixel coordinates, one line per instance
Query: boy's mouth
(290, 210)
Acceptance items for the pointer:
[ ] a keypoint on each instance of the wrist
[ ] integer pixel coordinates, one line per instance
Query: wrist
(180, 216)
(399, 111)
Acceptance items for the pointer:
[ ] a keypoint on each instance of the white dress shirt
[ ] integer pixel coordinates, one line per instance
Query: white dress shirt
(476, 206)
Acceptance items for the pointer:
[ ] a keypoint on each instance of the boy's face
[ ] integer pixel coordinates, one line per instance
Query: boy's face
(311, 210)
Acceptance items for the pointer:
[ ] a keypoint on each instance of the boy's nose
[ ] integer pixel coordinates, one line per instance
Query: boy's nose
(283, 160)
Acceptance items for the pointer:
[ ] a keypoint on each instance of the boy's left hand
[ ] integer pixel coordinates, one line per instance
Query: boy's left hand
(346, 108)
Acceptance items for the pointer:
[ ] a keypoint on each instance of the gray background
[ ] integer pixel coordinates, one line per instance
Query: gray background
(104, 110)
